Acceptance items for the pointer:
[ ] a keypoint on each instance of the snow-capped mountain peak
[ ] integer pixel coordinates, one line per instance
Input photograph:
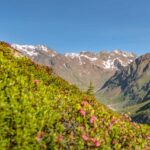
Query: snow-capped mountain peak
(80, 56)
(79, 68)
(72, 55)
(124, 53)
(26, 49)
(34, 51)
(105, 60)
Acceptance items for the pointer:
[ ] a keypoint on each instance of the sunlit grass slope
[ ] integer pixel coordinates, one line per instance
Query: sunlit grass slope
(39, 110)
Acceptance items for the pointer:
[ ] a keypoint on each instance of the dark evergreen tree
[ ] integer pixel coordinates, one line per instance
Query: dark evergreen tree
(90, 89)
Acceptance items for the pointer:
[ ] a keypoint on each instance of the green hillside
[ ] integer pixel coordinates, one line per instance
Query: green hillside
(39, 110)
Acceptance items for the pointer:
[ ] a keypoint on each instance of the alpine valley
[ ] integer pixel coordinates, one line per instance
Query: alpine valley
(128, 90)
(121, 80)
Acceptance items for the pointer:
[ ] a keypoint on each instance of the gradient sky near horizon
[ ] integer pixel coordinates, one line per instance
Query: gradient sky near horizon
(76, 25)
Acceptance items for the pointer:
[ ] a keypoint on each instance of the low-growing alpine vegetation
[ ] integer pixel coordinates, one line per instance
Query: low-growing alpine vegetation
(39, 110)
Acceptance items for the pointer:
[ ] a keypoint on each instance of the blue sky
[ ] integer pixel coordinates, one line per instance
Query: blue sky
(76, 25)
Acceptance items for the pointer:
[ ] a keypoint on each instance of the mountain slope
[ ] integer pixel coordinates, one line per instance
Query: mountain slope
(79, 68)
(41, 111)
(129, 87)
(142, 115)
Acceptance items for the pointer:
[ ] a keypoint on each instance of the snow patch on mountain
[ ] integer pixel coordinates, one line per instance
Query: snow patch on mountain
(124, 53)
(105, 60)
(108, 64)
(72, 55)
(27, 49)
(80, 56)
(33, 51)
(41, 47)
(89, 58)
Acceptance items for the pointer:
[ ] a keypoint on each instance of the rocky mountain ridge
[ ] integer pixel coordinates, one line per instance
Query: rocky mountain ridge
(79, 68)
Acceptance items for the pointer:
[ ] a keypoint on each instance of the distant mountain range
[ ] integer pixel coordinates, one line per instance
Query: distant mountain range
(79, 68)
(121, 80)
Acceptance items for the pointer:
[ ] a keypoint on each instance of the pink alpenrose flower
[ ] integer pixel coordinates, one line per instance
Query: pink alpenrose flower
(82, 112)
(92, 119)
(36, 81)
(148, 137)
(95, 142)
(85, 137)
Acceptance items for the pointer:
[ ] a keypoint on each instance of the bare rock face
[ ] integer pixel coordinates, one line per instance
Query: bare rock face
(79, 68)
